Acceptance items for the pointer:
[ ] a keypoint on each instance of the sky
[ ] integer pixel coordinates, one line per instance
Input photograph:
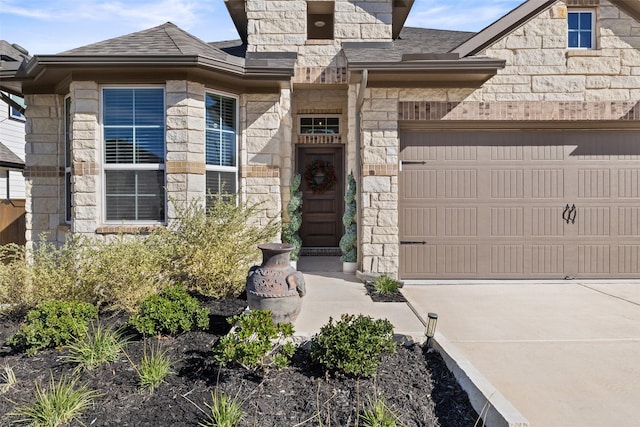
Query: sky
(53, 26)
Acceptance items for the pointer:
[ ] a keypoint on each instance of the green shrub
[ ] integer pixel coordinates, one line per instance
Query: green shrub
(385, 284)
(52, 324)
(127, 270)
(62, 403)
(13, 276)
(348, 242)
(155, 366)
(170, 312)
(294, 210)
(379, 414)
(99, 346)
(251, 342)
(214, 248)
(224, 411)
(352, 345)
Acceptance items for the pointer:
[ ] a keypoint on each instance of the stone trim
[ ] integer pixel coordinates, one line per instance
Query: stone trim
(319, 139)
(320, 75)
(196, 168)
(127, 229)
(43, 171)
(85, 168)
(582, 3)
(519, 110)
(319, 111)
(260, 171)
(387, 169)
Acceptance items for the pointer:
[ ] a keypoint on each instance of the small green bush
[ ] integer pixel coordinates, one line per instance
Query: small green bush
(379, 414)
(224, 411)
(385, 284)
(155, 366)
(170, 312)
(52, 324)
(250, 344)
(99, 346)
(353, 345)
(58, 405)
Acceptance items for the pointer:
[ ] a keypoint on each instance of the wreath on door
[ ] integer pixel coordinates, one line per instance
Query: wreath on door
(320, 176)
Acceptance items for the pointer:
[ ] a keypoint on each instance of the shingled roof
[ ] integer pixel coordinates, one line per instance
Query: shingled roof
(165, 39)
(9, 159)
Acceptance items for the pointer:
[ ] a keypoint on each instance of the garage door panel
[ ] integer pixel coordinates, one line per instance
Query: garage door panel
(547, 183)
(507, 221)
(507, 259)
(499, 209)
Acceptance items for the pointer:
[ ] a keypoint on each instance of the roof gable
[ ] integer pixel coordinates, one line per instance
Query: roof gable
(165, 39)
(521, 15)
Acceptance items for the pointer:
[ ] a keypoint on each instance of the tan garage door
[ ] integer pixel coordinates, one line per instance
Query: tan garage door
(519, 204)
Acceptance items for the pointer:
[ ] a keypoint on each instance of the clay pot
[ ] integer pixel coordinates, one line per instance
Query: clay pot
(275, 285)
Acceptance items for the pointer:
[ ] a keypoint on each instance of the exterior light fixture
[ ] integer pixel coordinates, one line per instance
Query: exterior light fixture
(319, 24)
(430, 331)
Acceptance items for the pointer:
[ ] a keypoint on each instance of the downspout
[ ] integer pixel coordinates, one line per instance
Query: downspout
(358, 173)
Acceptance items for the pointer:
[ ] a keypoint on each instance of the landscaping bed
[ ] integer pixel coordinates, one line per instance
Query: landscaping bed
(416, 385)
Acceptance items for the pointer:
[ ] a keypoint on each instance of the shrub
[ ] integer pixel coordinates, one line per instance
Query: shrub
(224, 411)
(250, 344)
(214, 248)
(352, 345)
(101, 345)
(52, 324)
(170, 312)
(62, 403)
(385, 284)
(294, 210)
(348, 242)
(378, 414)
(13, 276)
(126, 271)
(155, 366)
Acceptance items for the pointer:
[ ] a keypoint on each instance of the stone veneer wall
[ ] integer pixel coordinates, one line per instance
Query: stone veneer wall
(43, 174)
(262, 149)
(185, 139)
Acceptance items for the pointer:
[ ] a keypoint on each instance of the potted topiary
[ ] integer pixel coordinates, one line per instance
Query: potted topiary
(349, 242)
(290, 229)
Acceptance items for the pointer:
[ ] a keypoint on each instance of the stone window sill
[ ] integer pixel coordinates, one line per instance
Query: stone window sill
(319, 42)
(127, 229)
(583, 52)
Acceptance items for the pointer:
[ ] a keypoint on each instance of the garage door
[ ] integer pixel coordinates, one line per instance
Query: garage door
(519, 204)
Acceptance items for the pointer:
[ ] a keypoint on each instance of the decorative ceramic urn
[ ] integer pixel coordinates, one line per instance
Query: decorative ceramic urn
(275, 285)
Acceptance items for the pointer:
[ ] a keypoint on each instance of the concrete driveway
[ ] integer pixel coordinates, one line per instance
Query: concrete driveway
(564, 354)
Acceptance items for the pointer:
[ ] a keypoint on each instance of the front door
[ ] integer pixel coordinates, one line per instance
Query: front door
(322, 197)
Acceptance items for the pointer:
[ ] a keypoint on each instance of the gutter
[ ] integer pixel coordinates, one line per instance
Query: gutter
(431, 65)
(358, 173)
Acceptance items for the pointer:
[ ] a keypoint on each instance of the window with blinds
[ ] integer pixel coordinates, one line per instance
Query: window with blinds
(134, 151)
(221, 144)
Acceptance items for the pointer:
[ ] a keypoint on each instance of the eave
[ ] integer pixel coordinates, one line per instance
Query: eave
(470, 73)
(52, 73)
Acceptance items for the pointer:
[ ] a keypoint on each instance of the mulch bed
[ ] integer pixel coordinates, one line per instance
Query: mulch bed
(416, 384)
(395, 296)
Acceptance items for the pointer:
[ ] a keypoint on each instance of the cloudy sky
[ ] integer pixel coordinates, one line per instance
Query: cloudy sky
(52, 26)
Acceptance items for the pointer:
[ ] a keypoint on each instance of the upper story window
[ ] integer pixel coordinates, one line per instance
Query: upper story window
(320, 20)
(582, 34)
(14, 113)
(319, 125)
(134, 150)
(221, 144)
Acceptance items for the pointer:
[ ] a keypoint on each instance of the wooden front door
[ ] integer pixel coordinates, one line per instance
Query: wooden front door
(321, 210)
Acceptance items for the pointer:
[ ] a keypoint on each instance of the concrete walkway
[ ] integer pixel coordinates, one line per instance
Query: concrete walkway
(564, 354)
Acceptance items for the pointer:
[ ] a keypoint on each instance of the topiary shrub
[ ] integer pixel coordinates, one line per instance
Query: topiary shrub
(348, 242)
(256, 343)
(170, 312)
(53, 324)
(294, 210)
(352, 345)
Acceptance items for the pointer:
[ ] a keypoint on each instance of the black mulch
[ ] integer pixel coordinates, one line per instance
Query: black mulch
(416, 384)
(395, 296)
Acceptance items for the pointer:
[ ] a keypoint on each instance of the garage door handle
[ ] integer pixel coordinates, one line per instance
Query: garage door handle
(412, 162)
(412, 242)
(569, 214)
